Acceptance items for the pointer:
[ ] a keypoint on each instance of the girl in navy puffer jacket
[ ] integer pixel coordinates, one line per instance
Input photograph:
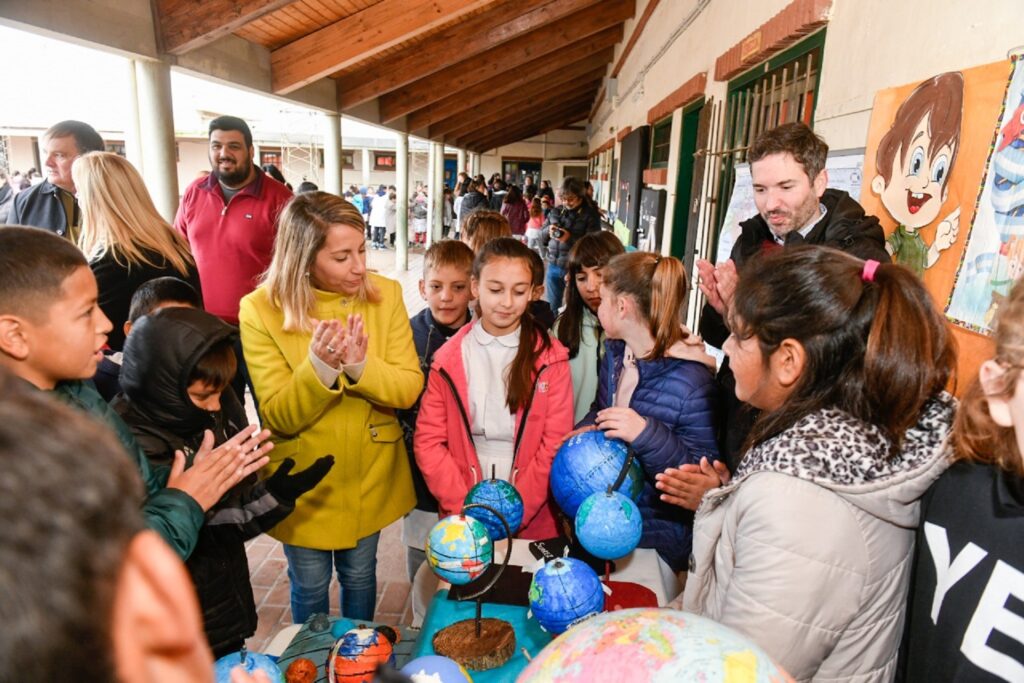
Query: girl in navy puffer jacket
(656, 388)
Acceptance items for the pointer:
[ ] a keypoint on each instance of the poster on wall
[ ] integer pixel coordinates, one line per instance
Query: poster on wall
(927, 153)
(994, 257)
(845, 172)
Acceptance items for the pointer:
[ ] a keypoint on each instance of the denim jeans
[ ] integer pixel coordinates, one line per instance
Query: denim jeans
(555, 286)
(309, 571)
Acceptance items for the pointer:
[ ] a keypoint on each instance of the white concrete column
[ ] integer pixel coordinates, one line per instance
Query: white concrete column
(436, 228)
(156, 137)
(133, 131)
(367, 163)
(461, 164)
(402, 197)
(432, 188)
(332, 154)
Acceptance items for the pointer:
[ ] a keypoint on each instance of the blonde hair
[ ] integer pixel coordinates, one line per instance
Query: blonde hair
(118, 215)
(483, 226)
(976, 436)
(301, 233)
(658, 285)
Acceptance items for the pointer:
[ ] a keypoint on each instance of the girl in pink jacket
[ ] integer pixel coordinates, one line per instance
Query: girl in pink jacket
(495, 404)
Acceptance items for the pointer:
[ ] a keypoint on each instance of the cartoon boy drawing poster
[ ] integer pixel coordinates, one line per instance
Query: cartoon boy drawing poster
(913, 163)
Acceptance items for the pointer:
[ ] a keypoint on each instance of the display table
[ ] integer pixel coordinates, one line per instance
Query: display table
(316, 647)
(444, 612)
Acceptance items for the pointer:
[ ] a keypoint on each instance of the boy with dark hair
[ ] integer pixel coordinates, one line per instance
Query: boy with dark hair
(99, 597)
(178, 363)
(51, 335)
(447, 270)
(151, 296)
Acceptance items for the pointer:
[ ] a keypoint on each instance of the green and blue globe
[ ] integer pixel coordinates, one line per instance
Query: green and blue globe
(564, 592)
(608, 525)
(503, 497)
(589, 462)
(459, 549)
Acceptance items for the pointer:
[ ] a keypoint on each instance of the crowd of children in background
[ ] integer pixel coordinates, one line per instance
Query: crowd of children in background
(538, 323)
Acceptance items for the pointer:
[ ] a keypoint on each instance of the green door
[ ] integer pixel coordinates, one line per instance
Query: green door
(684, 179)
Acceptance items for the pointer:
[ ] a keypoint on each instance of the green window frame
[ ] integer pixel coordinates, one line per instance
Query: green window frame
(661, 142)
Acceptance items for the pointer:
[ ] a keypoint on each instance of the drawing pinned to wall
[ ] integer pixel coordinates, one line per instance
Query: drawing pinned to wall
(913, 162)
(994, 258)
(927, 148)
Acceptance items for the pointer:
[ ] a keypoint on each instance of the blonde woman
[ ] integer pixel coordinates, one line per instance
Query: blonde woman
(125, 239)
(331, 355)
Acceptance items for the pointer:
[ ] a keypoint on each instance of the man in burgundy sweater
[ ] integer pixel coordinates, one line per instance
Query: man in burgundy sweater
(230, 219)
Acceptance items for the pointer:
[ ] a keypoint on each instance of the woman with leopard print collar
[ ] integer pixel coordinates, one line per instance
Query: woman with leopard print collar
(808, 548)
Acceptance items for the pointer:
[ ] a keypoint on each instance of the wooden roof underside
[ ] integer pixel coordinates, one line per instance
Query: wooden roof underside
(475, 74)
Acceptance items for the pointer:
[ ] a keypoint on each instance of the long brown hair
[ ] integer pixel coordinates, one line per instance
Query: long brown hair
(533, 338)
(593, 250)
(876, 348)
(658, 285)
(976, 436)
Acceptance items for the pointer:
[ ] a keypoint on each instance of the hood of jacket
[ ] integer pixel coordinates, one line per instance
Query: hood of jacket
(159, 355)
(851, 458)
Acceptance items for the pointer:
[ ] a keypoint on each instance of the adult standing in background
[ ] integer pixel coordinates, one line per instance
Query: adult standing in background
(332, 356)
(566, 225)
(230, 219)
(124, 237)
(51, 204)
(7, 194)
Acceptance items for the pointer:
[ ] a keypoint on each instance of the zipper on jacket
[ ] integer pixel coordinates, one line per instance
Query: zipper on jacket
(522, 421)
(462, 412)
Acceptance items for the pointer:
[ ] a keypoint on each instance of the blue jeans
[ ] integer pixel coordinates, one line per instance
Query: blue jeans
(309, 571)
(555, 286)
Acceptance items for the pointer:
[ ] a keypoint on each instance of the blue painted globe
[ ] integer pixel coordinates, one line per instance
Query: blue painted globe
(459, 549)
(503, 497)
(563, 592)
(589, 462)
(252, 662)
(436, 669)
(608, 525)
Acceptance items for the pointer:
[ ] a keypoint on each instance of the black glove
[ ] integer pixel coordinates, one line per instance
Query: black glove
(287, 488)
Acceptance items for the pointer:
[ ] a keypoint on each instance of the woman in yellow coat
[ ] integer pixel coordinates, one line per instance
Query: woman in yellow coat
(331, 356)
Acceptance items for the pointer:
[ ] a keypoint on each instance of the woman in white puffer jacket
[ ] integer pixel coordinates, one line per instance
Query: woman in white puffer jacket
(808, 548)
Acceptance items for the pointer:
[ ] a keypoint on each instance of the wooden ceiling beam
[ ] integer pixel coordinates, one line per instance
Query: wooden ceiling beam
(557, 19)
(552, 74)
(186, 24)
(562, 115)
(571, 38)
(523, 134)
(360, 36)
(509, 110)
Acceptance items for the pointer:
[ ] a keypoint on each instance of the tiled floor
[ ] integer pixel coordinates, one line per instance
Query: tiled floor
(267, 566)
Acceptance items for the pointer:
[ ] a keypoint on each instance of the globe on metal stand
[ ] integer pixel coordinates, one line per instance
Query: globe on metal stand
(478, 643)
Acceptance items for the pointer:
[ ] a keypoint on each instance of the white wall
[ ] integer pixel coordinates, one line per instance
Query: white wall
(875, 44)
(870, 45)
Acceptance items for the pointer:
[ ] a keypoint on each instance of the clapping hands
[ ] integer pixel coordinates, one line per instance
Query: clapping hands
(337, 343)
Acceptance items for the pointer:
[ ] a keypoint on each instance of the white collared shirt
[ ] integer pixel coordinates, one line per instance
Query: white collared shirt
(486, 359)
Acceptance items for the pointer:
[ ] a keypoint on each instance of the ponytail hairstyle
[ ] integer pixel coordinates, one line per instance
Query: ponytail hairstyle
(533, 338)
(658, 285)
(593, 250)
(976, 436)
(876, 347)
